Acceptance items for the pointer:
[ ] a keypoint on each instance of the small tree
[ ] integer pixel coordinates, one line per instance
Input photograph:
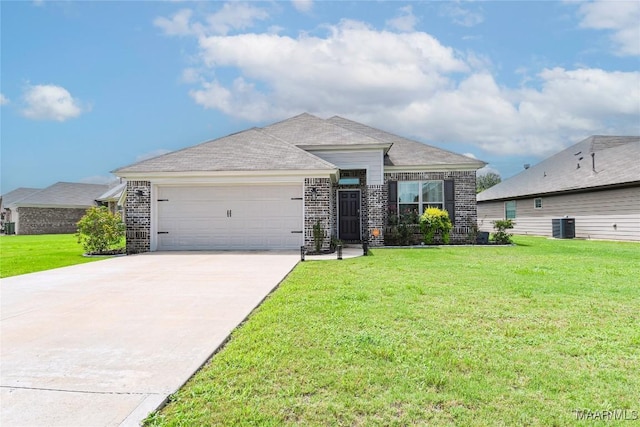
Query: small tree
(500, 236)
(487, 180)
(433, 221)
(99, 230)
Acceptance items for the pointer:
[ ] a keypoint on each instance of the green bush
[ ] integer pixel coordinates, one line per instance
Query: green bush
(434, 221)
(100, 231)
(500, 236)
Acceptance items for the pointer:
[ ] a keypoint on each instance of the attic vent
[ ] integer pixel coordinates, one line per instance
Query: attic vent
(527, 165)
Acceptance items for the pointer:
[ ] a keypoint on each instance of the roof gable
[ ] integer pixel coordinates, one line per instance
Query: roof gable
(406, 152)
(308, 130)
(616, 163)
(64, 194)
(250, 150)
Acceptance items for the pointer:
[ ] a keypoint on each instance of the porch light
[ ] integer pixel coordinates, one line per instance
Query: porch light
(139, 193)
(314, 193)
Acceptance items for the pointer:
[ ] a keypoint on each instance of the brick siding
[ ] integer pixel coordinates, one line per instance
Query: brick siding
(466, 214)
(33, 220)
(319, 209)
(137, 214)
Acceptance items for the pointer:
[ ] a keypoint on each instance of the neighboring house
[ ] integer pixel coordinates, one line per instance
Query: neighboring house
(112, 198)
(596, 181)
(55, 209)
(8, 199)
(266, 188)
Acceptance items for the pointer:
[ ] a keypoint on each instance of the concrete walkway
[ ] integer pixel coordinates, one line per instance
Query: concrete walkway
(104, 343)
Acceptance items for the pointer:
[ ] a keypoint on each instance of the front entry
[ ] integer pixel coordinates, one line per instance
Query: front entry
(349, 215)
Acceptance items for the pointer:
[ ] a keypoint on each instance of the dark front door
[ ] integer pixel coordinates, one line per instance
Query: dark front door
(349, 215)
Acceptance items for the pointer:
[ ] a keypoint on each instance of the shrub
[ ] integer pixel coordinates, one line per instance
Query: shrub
(100, 231)
(434, 221)
(500, 236)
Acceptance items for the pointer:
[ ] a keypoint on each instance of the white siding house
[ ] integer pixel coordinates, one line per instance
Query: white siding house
(596, 182)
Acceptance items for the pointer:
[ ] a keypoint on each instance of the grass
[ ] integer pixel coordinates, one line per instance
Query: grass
(28, 254)
(474, 336)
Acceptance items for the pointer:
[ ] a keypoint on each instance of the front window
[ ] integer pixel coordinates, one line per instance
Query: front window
(510, 209)
(414, 197)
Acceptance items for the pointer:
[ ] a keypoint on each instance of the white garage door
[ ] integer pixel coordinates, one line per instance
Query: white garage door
(229, 217)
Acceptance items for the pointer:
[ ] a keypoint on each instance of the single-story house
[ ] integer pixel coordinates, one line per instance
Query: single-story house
(53, 210)
(596, 182)
(8, 199)
(266, 188)
(112, 198)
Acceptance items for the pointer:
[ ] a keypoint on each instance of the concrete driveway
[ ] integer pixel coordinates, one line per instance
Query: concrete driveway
(104, 343)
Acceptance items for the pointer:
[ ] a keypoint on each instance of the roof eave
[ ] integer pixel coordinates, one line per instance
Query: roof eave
(436, 167)
(145, 176)
(345, 147)
(561, 192)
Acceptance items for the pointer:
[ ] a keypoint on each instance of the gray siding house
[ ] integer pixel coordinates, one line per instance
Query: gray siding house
(53, 210)
(266, 188)
(596, 181)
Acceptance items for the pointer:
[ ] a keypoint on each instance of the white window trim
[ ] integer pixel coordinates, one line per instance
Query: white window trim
(535, 205)
(420, 202)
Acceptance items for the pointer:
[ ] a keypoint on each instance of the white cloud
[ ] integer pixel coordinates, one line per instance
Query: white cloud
(620, 17)
(50, 102)
(410, 83)
(178, 25)
(405, 21)
(4, 100)
(462, 16)
(303, 5)
(235, 16)
(487, 170)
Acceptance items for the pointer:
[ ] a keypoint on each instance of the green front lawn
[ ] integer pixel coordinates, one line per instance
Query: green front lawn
(27, 254)
(472, 336)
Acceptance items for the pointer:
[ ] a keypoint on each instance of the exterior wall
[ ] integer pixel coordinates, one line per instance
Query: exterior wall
(465, 198)
(371, 161)
(137, 216)
(606, 214)
(377, 212)
(320, 209)
(32, 220)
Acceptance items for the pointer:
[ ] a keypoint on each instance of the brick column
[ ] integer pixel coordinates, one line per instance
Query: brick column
(137, 214)
(376, 213)
(317, 210)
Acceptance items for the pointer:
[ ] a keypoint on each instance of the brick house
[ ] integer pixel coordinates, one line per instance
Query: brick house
(52, 210)
(266, 188)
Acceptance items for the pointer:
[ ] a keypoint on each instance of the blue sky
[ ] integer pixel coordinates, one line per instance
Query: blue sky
(87, 87)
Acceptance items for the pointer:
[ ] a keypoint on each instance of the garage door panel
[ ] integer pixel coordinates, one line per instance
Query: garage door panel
(234, 217)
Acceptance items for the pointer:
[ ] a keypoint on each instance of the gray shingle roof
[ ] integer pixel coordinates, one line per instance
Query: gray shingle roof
(64, 194)
(17, 194)
(309, 130)
(616, 163)
(406, 152)
(250, 150)
(277, 147)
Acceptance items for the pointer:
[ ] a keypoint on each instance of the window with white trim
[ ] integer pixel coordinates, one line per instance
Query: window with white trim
(416, 196)
(510, 209)
(537, 203)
